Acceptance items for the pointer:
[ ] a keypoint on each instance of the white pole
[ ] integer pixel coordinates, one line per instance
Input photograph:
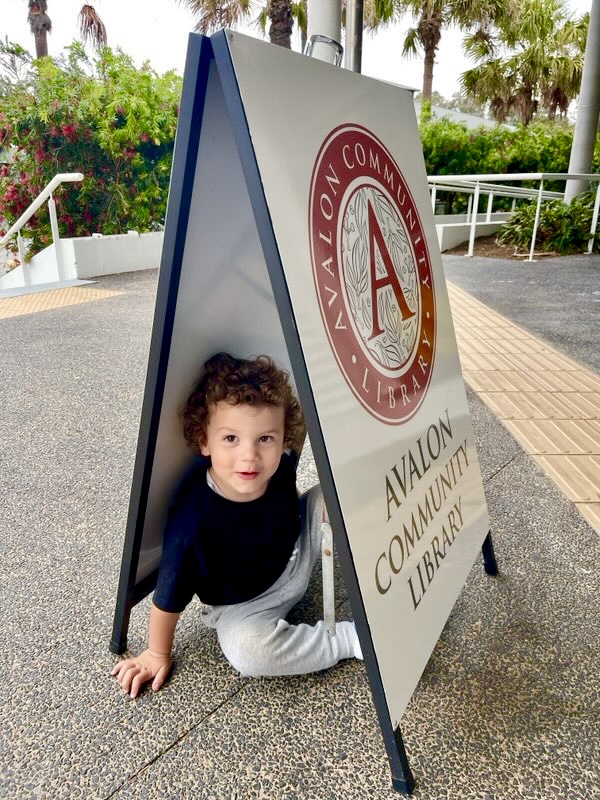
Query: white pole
(24, 264)
(488, 217)
(324, 19)
(433, 194)
(354, 31)
(594, 220)
(474, 220)
(536, 222)
(56, 238)
(588, 109)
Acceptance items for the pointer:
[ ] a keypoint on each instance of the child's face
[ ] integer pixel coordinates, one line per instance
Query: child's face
(245, 444)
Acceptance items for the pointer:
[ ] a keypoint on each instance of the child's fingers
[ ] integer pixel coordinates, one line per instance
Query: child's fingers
(161, 677)
(138, 681)
(118, 667)
(126, 674)
(126, 677)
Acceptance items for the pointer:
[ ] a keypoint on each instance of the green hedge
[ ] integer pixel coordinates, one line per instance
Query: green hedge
(450, 148)
(107, 119)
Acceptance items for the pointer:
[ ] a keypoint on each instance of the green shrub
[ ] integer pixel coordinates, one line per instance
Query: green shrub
(450, 148)
(107, 119)
(561, 229)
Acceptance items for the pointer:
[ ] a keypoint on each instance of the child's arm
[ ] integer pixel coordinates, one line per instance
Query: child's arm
(155, 662)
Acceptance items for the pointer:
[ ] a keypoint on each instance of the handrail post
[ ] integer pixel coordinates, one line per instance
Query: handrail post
(56, 238)
(490, 203)
(473, 220)
(536, 221)
(469, 207)
(24, 264)
(433, 194)
(594, 220)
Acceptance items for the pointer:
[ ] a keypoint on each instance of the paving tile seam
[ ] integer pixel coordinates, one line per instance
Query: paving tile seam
(128, 780)
(503, 467)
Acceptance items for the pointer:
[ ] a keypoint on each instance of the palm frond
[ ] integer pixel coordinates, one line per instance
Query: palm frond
(92, 28)
(212, 15)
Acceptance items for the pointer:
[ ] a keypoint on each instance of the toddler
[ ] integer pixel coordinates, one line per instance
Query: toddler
(239, 536)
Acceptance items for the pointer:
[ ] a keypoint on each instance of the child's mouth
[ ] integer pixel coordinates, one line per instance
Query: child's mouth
(247, 476)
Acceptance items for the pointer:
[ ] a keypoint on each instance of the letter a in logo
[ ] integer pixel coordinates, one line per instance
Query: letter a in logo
(390, 278)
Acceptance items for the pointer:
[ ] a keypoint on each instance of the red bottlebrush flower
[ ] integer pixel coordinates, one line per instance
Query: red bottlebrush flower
(3, 170)
(69, 132)
(55, 132)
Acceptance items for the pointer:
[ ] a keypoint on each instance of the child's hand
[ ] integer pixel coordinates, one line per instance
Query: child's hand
(133, 673)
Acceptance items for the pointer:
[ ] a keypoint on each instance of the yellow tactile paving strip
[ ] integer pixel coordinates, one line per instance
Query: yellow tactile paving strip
(548, 402)
(53, 298)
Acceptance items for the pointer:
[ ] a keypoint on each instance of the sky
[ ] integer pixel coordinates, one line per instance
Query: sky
(156, 30)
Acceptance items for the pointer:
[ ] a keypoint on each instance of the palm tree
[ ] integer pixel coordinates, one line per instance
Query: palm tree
(532, 59)
(90, 25)
(215, 14)
(431, 17)
(40, 25)
(299, 16)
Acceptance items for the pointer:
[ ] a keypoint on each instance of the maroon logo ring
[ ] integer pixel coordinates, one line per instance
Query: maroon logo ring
(372, 273)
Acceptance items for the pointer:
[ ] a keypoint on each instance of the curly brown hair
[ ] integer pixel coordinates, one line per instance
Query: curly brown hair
(256, 382)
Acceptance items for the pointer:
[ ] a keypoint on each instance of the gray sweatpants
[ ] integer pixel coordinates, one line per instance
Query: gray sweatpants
(254, 636)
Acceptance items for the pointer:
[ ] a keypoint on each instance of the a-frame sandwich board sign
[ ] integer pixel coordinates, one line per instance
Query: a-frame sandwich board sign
(299, 225)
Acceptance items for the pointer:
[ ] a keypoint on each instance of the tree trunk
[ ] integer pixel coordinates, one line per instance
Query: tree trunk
(280, 32)
(41, 43)
(588, 109)
(428, 73)
(40, 26)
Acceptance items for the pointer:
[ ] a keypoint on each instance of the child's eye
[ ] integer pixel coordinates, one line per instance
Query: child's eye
(266, 438)
(229, 438)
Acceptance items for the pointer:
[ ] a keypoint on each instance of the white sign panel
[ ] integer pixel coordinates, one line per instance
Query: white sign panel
(342, 170)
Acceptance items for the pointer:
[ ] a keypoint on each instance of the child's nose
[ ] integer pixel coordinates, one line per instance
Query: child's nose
(250, 451)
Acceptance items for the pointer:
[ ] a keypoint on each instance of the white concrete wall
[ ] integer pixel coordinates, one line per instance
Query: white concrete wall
(42, 268)
(108, 255)
(456, 233)
(453, 229)
(89, 257)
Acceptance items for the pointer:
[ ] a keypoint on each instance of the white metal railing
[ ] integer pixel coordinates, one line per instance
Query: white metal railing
(476, 185)
(45, 194)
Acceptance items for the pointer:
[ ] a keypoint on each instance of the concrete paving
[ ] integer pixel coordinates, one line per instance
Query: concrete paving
(508, 706)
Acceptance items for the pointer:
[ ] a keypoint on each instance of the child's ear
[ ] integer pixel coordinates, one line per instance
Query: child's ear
(205, 450)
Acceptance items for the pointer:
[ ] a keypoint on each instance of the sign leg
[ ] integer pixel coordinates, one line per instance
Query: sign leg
(489, 559)
(118, 642)
(402, 777)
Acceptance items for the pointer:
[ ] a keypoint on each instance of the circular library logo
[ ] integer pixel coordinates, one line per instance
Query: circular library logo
(372, 273)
